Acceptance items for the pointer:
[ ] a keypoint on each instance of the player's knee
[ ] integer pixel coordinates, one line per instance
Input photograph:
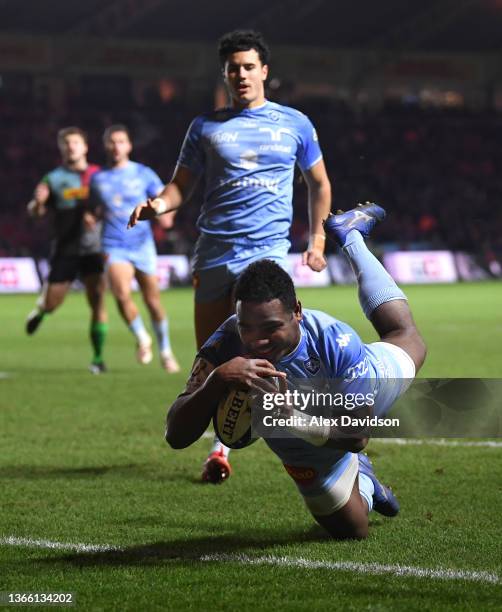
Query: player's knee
(122, 296)
(355, 532)
(418, 349)
(348, 531)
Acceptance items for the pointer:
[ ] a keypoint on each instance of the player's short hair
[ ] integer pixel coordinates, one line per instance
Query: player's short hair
(243, 40)
(70, 131)
(116, 127)
(264, 281)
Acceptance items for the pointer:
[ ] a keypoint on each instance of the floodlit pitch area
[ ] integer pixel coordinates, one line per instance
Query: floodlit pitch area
(94, 502)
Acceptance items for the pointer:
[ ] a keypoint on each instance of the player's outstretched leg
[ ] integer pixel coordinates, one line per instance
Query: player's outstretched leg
(381, 299)
(216, 467)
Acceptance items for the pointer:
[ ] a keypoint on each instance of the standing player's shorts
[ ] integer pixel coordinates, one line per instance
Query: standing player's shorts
(142, 258)
(217, 265)
(395, 372)
(66, 268)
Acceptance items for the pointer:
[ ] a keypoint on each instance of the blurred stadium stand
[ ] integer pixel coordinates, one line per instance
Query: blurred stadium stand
(407, 99)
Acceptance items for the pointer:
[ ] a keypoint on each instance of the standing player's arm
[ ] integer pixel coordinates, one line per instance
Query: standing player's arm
(174, 194)
(37, 206)
(319, 205)
(192, 410)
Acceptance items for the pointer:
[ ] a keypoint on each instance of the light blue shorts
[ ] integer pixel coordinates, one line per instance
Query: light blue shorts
(144, 258)
(394, 370)
(217, 265)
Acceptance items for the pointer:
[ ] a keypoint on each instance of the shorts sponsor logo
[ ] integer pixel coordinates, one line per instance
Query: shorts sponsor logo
(302, 475)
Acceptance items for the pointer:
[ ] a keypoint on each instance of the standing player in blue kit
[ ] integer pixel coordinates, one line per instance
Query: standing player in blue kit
(246, 154)
(115, 192)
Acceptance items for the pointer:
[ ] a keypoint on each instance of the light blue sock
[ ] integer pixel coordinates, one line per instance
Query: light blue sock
(366, 490)
(376, 285)
(138, 329)
(161, 329)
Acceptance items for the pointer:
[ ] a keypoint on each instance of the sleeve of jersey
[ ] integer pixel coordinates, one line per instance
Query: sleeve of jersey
(222, 346)
(153, 183)
(192, 154)
(309, 151)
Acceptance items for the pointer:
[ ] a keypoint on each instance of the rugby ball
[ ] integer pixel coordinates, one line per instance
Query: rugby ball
(232, 420)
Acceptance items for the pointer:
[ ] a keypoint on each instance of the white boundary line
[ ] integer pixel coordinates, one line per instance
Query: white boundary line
(419, 442)
(298, 562)
(360, 568)
(29, 543)
(439, 442)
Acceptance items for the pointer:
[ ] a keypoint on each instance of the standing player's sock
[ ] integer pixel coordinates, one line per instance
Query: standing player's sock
(366, 490)
(219, 447)
(167, 358)
(376, 285)
(139, 330)
(161, 329)
(98, 336)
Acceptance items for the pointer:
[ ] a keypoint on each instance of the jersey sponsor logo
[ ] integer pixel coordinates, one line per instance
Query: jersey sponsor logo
(255, 183)
(223, 137)
(249, 159)
(276, 135)
(302, 475)
(357, 370)
(343, 340)
(76, 193)
(312, 365)
(276, 148)
(133, 185)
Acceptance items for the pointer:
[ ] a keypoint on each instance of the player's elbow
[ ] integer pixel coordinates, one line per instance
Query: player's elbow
(175, 441)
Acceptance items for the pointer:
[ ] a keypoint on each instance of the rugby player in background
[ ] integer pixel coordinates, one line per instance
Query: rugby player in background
(272, 336)
(76, 248)
(246, 155)
(115, 191)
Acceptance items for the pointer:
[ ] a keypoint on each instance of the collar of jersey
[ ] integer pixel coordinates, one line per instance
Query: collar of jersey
(251, 111)
(290, 356)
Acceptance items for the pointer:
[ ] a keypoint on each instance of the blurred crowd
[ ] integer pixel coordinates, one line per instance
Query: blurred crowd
(437, 171)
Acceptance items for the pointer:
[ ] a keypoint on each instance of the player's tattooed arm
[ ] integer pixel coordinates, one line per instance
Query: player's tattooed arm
(198, 376)
(191, 412)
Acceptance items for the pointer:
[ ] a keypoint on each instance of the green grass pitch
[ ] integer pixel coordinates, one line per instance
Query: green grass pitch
(83, 461)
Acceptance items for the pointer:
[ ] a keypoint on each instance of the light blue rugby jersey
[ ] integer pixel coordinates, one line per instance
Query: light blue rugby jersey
(328, 349)
(248, 158)
(119, 191)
